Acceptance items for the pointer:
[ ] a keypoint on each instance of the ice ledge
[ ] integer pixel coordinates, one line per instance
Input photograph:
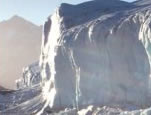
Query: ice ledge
(78, 14)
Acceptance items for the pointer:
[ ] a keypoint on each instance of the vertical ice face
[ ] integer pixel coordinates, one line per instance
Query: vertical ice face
(145, 37)
(102, 60)
(145, 33)
(52, 31)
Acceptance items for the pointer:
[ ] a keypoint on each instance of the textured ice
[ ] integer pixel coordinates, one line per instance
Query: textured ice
(102, 61)
(31, 76)
(95, 59)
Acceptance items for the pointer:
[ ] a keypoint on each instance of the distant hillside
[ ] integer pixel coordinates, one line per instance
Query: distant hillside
(20, 42)
(2, 88)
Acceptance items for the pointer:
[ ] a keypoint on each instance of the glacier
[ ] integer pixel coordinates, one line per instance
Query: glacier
(95, 59)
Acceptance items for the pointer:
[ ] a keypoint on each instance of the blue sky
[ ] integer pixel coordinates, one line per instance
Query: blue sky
(34, 10)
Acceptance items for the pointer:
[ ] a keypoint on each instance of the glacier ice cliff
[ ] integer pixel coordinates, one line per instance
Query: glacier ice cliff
(94, 53)
(100, 61)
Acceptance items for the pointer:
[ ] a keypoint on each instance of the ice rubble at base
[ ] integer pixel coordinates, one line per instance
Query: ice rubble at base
(92, 110)
(95, 53)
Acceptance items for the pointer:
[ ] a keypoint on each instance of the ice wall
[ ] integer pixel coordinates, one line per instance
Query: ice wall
(102, 60)
(95, 59)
